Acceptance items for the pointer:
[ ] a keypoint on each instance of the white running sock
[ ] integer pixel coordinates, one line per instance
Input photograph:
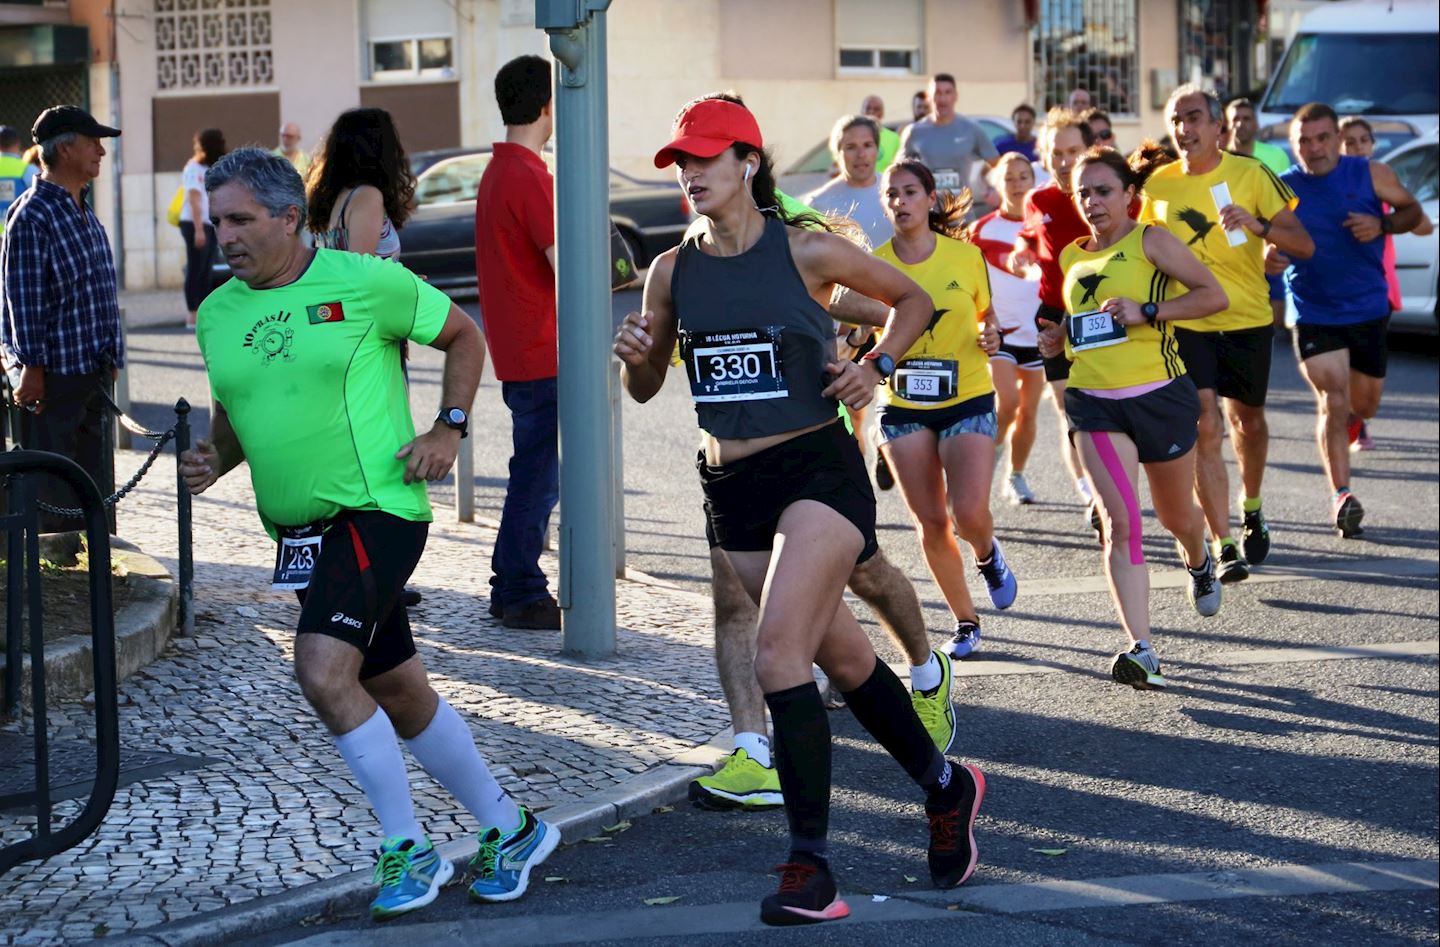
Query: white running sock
(374, 757)
(1082, 486)
(446, 750)
(927, 676)
(757, 745)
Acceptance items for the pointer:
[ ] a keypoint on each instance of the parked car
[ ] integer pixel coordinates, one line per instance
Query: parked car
(817, 165)
(1417, 259)
(438, 241)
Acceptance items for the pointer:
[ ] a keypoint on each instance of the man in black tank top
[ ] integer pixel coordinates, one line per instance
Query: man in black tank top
(787, 494)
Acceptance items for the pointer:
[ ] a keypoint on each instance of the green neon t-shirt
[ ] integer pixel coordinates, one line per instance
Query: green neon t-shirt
(309, 374)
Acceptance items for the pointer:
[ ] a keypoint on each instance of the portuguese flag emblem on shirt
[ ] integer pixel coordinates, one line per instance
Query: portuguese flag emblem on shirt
(326, 312)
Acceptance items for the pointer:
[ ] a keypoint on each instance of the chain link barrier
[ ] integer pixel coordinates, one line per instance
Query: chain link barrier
(161, 438)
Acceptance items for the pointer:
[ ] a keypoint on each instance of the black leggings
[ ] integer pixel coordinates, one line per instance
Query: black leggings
(197, 264)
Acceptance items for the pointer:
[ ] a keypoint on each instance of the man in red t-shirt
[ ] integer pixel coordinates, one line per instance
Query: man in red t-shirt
(1051, 224)
(515, 267)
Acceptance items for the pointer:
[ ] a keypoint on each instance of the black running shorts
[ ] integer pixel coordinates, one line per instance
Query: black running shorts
(365, 560)
(1160, 422)
(1058, 367)
(1025, 356)
(1235, 364)
(1367, 342)
(744, 499)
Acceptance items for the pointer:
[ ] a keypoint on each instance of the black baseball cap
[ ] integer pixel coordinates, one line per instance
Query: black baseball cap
(69, 118)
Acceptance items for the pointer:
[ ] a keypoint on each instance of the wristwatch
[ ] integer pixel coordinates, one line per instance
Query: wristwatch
(884, 364)
(455, 418)
(1150, 311)
(1386, 224)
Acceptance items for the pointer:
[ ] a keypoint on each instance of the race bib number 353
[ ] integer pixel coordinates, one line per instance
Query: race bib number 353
(926, 380)
(734, 365)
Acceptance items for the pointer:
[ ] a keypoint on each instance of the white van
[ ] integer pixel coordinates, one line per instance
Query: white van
(1375, 58)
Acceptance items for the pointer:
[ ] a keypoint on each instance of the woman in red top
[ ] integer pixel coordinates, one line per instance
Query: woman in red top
(1051, 224)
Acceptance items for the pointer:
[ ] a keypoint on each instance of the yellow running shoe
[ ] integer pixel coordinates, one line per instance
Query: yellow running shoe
(934, 709)
(741, 783)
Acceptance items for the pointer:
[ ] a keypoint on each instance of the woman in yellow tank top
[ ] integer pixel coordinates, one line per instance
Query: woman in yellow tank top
(937, 411)
(1129, 400)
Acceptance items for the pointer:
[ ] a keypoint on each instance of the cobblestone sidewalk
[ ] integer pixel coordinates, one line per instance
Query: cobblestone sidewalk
(276, 807)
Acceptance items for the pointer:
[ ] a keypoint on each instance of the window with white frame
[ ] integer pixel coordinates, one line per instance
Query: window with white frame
(409, 39)
(879, 38)
(1091, 45)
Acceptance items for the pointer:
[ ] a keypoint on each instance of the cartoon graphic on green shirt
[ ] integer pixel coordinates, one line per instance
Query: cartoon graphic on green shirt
(309, 375)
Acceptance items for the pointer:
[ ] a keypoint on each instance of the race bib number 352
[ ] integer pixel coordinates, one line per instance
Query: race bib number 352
(1094, 330)
(734, 365)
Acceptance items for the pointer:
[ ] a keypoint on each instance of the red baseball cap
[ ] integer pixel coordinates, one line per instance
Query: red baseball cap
(709, 127)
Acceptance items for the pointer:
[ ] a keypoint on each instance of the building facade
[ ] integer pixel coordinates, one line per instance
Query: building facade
(163, 69)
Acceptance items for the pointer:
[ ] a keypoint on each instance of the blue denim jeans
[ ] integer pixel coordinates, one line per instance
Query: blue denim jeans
(530, 495)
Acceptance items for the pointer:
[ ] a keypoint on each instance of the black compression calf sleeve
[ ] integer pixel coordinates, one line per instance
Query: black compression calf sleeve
(802, 760)
(884, 708)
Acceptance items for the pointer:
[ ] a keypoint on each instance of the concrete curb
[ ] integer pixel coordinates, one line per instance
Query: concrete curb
(350, 893)
(142, 630)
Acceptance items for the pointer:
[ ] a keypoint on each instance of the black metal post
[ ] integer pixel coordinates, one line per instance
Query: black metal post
(107, 457)
(40, 714)
(14, 603)
(182, 505)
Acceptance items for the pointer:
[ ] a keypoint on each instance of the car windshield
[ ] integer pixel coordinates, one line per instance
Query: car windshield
(450, 181)
(1359, 74)
(1417, 171)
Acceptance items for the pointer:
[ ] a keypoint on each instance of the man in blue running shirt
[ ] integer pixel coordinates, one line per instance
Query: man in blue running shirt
(1340, 293)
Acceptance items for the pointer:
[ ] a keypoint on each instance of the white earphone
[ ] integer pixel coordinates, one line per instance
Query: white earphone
(748, 169)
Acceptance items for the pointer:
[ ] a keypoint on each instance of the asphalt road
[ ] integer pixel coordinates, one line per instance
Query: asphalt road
(1258, 773)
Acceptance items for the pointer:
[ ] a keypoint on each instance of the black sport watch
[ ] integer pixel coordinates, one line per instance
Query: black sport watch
(883, 363)
(455, 418)
(1150, 311)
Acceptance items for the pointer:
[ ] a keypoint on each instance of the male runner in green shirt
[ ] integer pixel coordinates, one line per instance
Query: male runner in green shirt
(302, 349)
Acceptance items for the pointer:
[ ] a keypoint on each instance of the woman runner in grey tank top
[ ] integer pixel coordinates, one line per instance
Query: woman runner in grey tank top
(787, 496)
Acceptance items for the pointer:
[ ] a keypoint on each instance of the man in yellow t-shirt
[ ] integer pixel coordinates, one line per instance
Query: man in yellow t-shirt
(1226, 207)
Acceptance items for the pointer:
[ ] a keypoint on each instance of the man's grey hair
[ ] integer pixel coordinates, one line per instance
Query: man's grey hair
(50, 148)
(272, 179)
(1212, 101)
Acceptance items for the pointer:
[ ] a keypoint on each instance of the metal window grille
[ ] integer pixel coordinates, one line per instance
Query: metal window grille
(27, 91)
(209, 44)
(1217, 45)
(1090, 45)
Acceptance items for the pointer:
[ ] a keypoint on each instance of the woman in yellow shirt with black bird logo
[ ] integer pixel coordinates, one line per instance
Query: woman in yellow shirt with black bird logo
(1129, 401)
(937, 410)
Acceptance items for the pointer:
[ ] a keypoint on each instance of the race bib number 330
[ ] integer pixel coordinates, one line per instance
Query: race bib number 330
(734, 365)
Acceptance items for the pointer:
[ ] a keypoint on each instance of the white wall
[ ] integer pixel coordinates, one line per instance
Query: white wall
(317, 64)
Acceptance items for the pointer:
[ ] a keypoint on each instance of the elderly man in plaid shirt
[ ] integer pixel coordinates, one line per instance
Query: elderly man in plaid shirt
(60, 314)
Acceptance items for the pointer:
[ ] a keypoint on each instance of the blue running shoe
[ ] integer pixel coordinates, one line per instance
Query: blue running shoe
(410, 875)
(999, 577)
(965, 642)
(504, 861)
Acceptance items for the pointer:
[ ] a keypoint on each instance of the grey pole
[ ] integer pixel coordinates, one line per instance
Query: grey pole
(582, 201)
